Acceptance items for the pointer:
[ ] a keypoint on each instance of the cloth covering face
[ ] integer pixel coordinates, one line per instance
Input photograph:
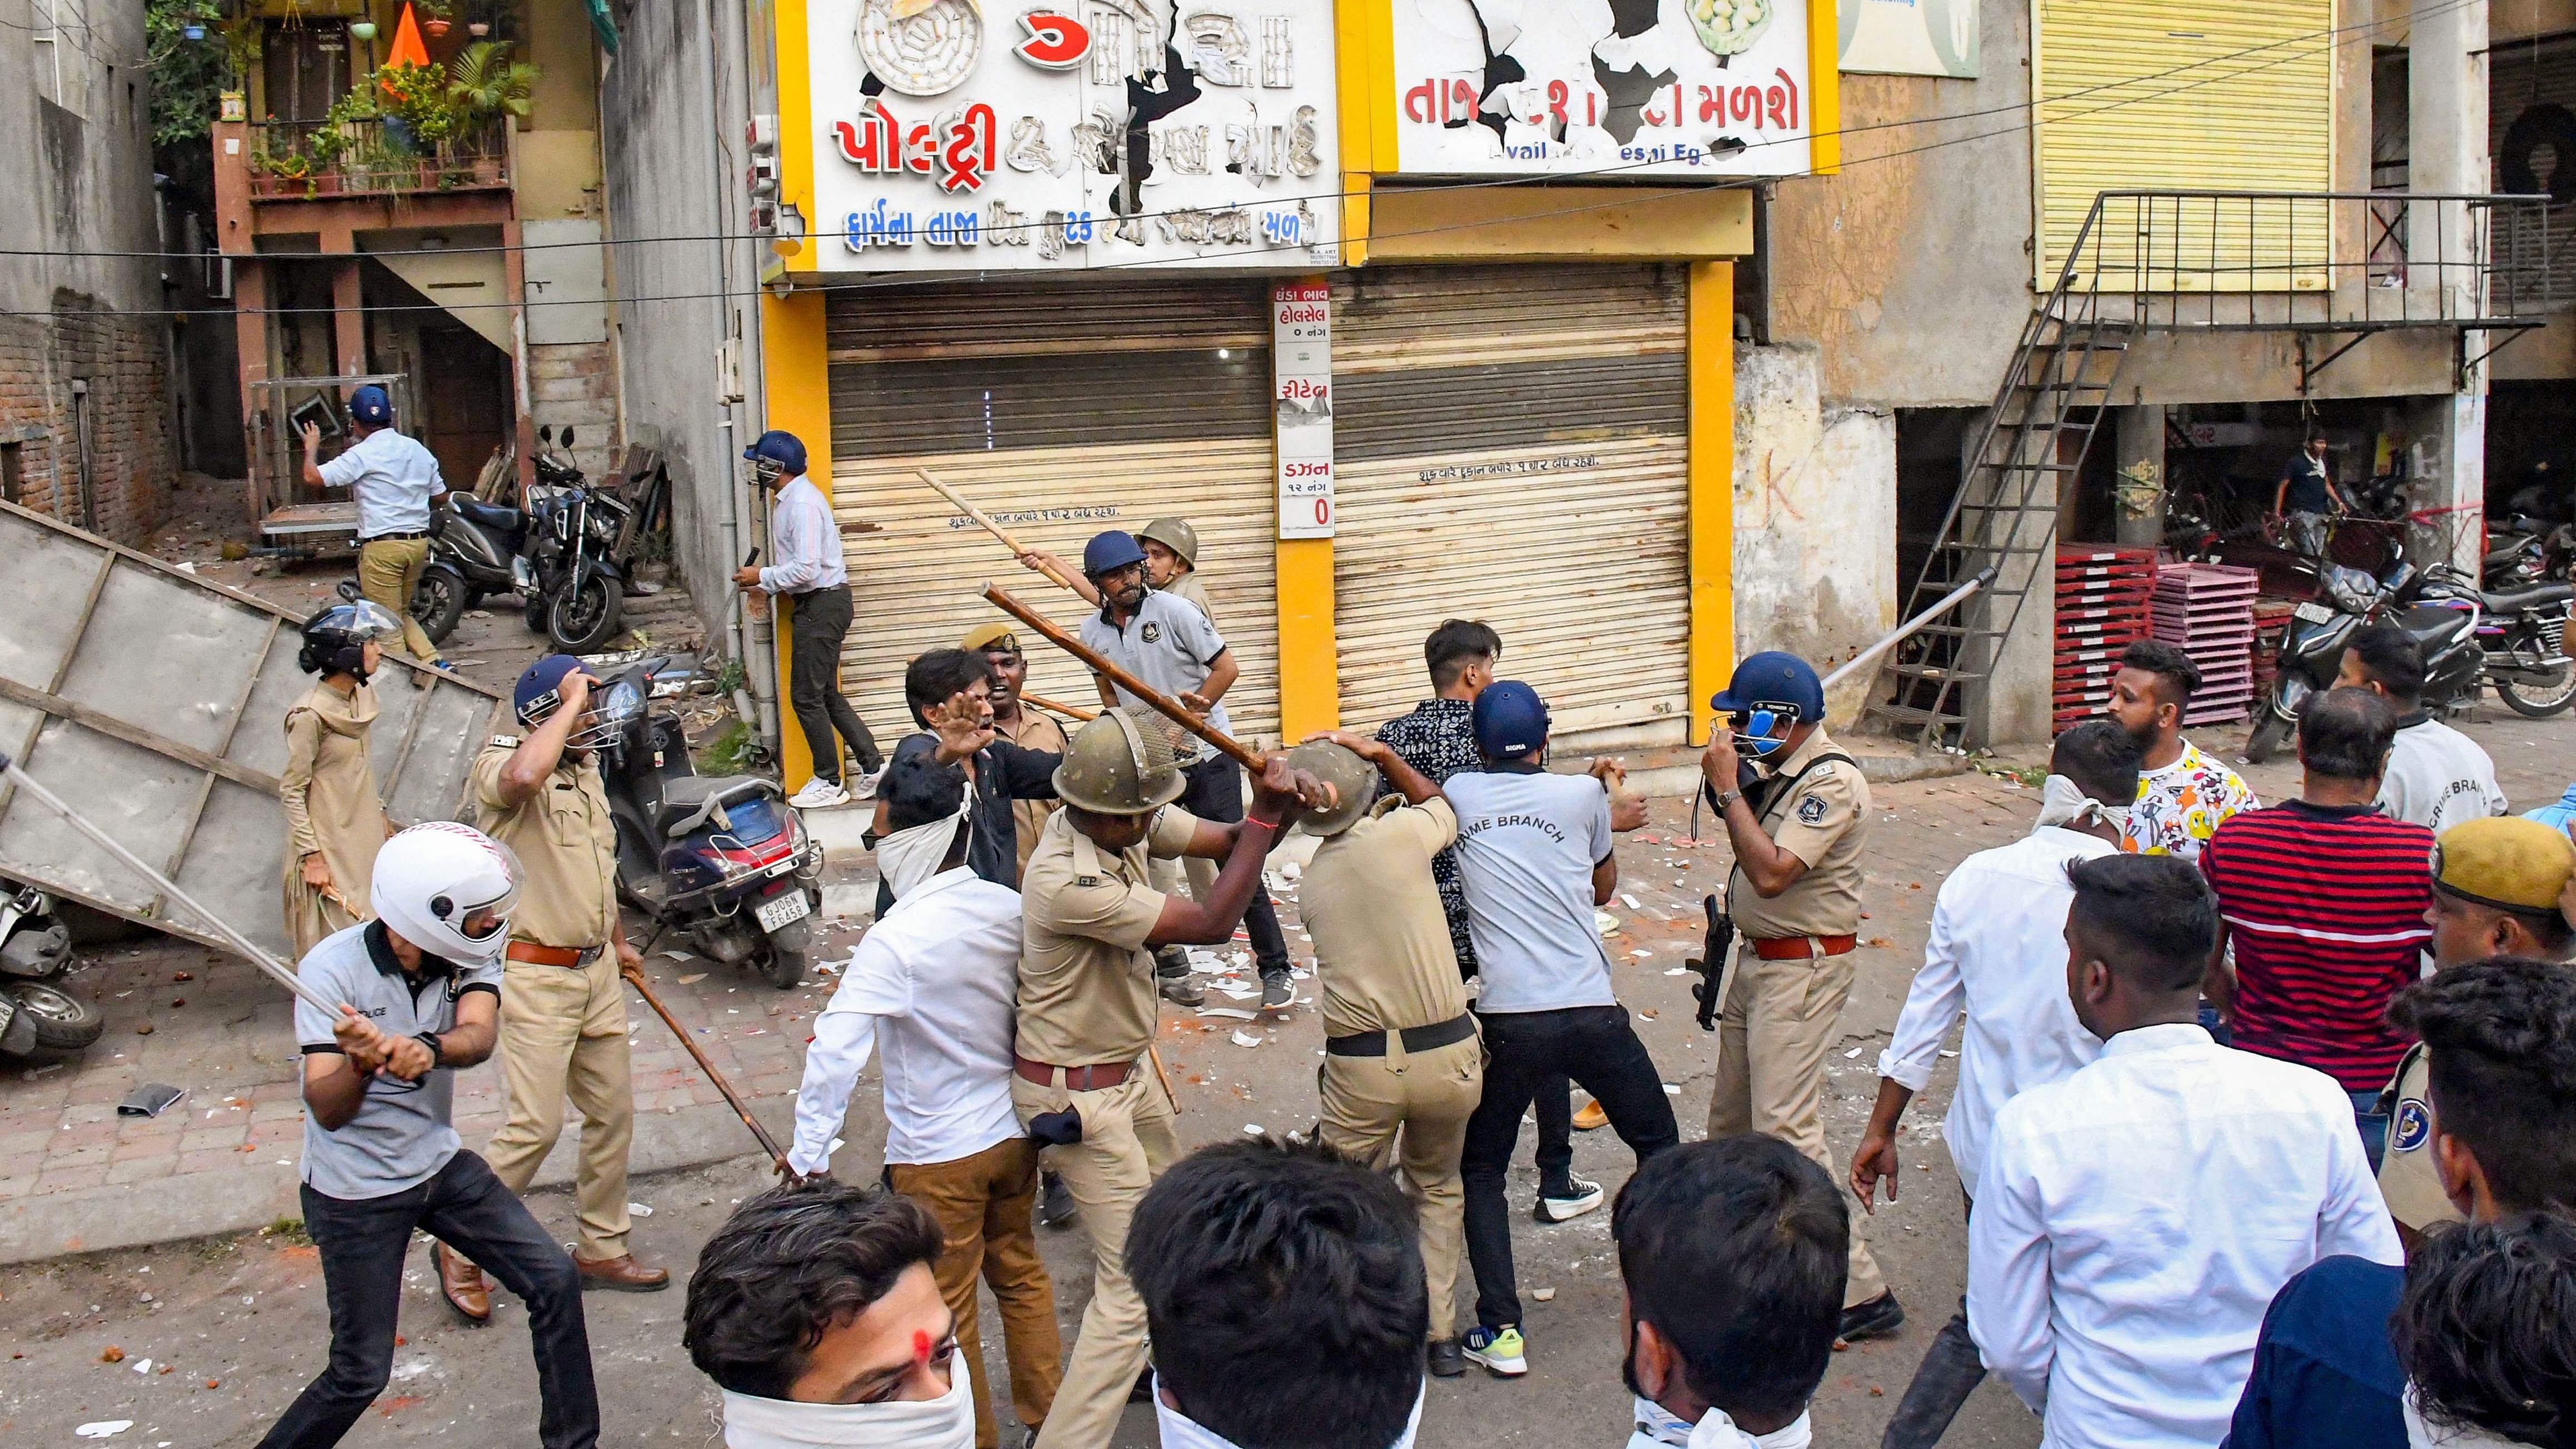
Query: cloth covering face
(328, 789)
(1180, 1431)
(946, 1422)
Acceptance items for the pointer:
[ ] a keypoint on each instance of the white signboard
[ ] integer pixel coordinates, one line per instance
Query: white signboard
(1910, 37)
(1608, 88)
(1301, 367)
(956, 135)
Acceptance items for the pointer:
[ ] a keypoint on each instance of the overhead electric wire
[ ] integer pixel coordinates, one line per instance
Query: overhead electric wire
(1201, 260)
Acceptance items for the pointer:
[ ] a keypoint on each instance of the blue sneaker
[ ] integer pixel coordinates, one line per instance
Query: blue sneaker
(1500, 1350)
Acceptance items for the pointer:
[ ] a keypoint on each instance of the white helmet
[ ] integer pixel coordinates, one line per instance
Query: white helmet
(431, 878)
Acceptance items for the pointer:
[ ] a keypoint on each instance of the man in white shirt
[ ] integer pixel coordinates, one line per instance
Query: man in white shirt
(1733, 1253)
(395, 483)
(2436, 776)
(932, 983)
(806, 566)
(1997, 953)
(2134, 1220)
(1535, 855)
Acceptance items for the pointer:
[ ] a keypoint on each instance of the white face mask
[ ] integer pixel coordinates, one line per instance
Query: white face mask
(946, 1422)
(908, 857)
(1180, 1431)
(1658, 1429)
(2063, 802)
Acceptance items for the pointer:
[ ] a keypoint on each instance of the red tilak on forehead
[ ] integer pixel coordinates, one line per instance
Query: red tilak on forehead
(920, 1346)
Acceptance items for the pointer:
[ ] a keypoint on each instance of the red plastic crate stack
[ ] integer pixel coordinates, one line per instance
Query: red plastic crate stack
(2207, 611)
(2104, 605)
(2271, 621)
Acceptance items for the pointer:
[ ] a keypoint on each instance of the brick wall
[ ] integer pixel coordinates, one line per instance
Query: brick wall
(574, 384)
(126, 411)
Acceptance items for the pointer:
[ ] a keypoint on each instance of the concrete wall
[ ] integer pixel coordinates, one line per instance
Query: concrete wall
(673, 112)
(1815, 518)
(76, 124)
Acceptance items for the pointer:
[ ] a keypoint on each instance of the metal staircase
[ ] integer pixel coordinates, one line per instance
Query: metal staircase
(2332, 268)
(2003, 522)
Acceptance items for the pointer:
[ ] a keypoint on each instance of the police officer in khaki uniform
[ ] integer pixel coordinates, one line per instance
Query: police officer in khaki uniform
(1088, 1009)
(2497, 887)
(1016, 721)
(563, 1008)
(1401, 1050)
(1797, 815)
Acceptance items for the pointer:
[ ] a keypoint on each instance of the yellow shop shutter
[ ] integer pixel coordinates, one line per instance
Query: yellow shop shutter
(1511, 444)
(2187, 95)
(1061, 409)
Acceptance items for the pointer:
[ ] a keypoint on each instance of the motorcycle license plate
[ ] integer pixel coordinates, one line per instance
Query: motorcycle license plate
(785, 908)
(2313, 614)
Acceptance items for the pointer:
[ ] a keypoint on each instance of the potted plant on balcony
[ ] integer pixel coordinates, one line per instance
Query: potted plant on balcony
(433, 16)
(484, 83)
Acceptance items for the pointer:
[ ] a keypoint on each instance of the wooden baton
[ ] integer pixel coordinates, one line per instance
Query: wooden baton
(1163, 704)
(768, 1143)
(980, 516)
(1050, 706)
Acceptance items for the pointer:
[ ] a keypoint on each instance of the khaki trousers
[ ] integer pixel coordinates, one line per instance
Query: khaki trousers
(1127, 1142)
(1430, 1096)
(563, 1035)
(388, 571)
(983, 1204)
(1778, 1020)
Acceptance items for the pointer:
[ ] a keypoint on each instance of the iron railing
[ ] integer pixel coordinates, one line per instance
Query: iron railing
(370, 158)
(2316, 261)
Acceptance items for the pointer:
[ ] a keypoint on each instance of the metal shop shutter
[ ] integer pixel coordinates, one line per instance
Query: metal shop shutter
(2188, 95)
(1062, 410)
(1511, 444)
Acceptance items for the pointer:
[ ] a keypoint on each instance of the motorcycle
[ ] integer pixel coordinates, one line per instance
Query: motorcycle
(2523, 551)
(2471, 638)
(35, 951)
(577, 567)
(719, 860)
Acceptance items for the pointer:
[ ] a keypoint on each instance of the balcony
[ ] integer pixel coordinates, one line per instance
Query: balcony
(306, 160)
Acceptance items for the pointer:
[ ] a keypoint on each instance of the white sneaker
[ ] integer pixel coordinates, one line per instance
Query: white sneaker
(819, 794)
(863, 783)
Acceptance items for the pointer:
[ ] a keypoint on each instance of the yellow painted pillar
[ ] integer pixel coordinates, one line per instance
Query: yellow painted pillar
(1712, 486)
(1824, 88)
(1310, 692)
(799, 391)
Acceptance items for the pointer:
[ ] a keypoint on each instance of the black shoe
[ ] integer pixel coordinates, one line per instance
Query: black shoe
(1172, 961)
(1178, 991)
(1448, 1361)
(1877, 1318)
(1275, 990)
(1055, 1201)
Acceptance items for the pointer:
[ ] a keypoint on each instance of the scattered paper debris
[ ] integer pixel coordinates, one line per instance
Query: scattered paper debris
(1543, 1295)
(104, 1428)
(1679, 971)
(1672, 1090)
(1629, 901)
(1641, 954)
(1247, 1039)
(693, 978)
(679, 955)
(1229, 1013)
(639, 1210)
(143, 1365)
(1604, 923)
(1253, 1129)
(1854, 1052)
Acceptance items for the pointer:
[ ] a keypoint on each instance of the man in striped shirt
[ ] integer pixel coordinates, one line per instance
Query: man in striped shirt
(2324, 898)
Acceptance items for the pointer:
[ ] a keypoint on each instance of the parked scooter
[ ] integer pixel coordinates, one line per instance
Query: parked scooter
(719, 860)
(35, 951)
(2521, 635)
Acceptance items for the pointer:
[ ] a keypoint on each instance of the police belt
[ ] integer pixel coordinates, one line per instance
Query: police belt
(1098, 1077)
(1800, 948)
(1416, 1038)
(536, 955)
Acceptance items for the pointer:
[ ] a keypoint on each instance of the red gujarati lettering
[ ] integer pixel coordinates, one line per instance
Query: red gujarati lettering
(1712, 104)
(920, 148)
(869, 144)
(1791, 84)
(968, 156)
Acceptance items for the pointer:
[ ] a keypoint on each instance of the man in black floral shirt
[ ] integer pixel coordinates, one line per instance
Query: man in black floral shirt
(1437, 739)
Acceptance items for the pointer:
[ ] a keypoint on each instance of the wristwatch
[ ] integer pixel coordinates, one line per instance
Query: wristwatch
(1724, 798)
(429, 1039)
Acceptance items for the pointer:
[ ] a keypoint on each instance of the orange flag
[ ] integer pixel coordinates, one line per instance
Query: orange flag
(408, 49)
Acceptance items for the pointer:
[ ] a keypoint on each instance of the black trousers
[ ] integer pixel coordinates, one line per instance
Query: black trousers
(1950, 1372)
(1594, 1045)
(363, 1244)
(820, 622)
(1216, 793)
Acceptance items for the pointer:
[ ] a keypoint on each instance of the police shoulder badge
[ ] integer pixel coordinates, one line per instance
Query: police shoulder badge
(1152, 631)
(1811, 810)
(2410, 1127)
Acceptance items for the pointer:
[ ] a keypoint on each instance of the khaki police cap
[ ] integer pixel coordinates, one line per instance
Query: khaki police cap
(1354, 783)
(2504, 861)
(986, 636)
(1118, 765)
(1174, 534)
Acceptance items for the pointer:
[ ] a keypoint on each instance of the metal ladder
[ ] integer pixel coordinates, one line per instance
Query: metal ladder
(2003, 520)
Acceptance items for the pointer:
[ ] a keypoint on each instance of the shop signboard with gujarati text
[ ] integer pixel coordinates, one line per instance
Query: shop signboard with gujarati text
(1301, 369)
(957, 135)
(1602, 89)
